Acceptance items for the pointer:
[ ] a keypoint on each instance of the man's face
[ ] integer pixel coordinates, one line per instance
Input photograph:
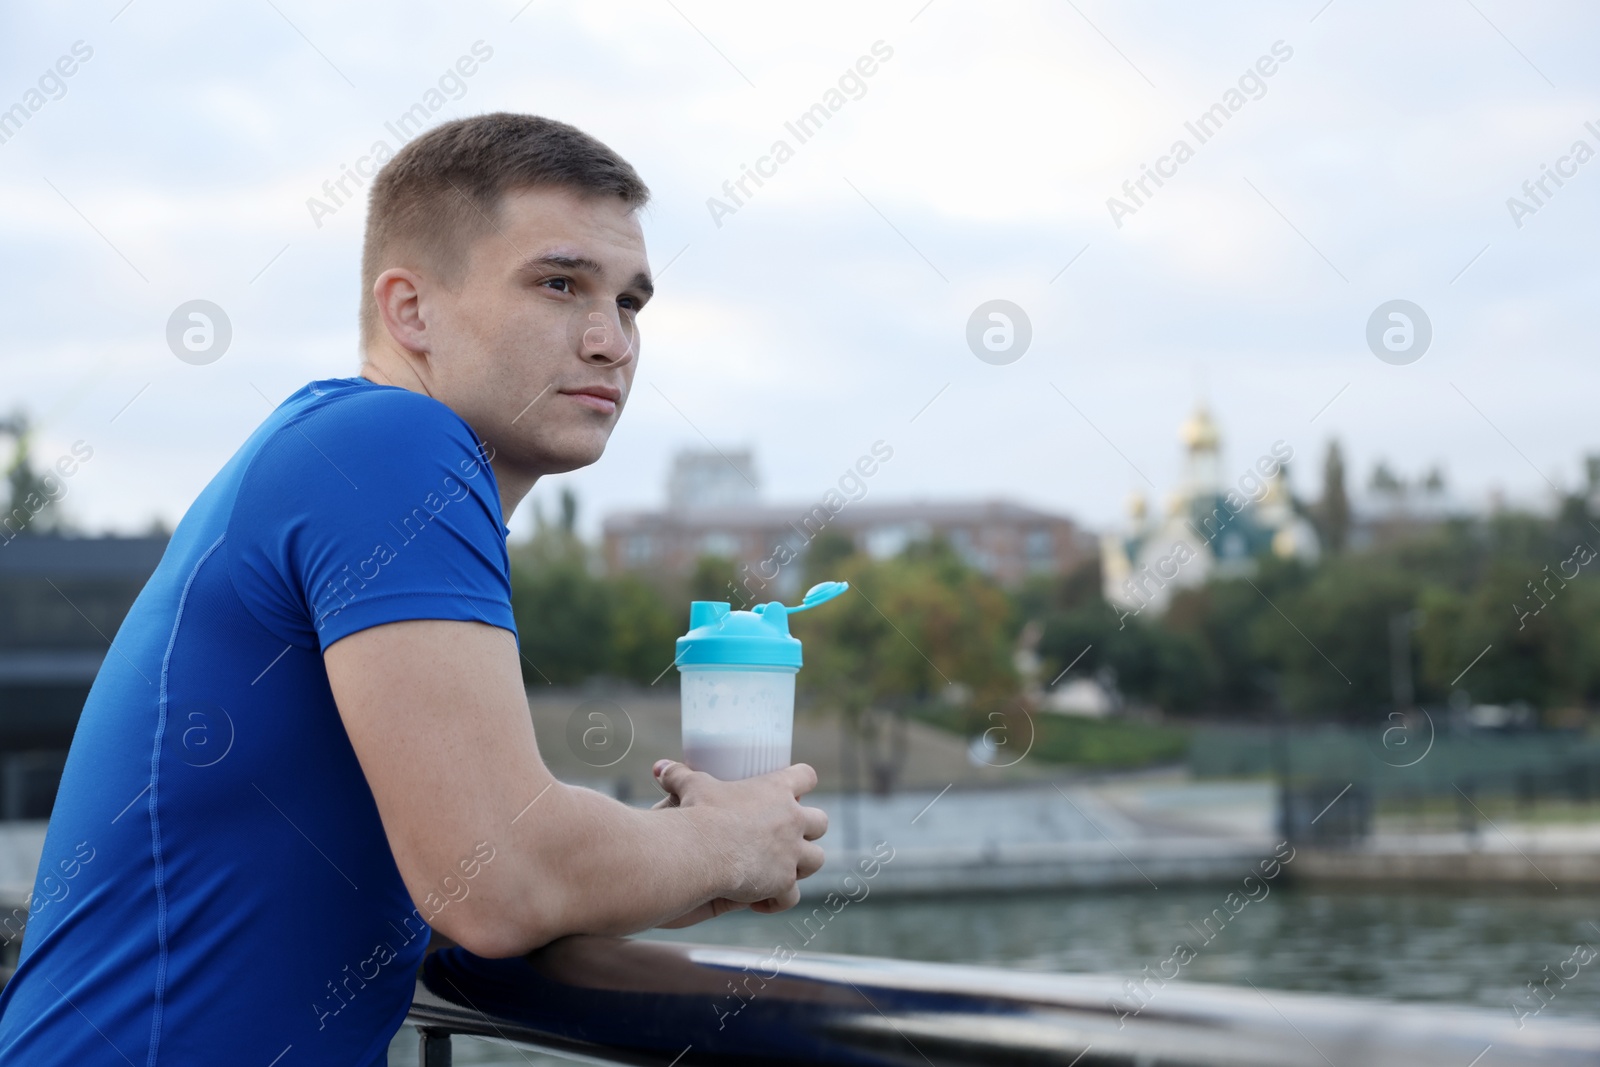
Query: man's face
(537, 343)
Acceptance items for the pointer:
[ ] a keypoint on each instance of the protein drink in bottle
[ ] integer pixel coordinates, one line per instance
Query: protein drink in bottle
(738, 670)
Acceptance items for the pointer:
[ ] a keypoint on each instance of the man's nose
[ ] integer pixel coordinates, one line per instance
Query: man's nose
(605, 341)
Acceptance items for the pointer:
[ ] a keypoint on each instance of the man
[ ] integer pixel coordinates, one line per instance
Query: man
(309, 741)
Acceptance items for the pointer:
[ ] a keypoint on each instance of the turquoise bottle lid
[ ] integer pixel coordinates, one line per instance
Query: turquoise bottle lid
(720, 636)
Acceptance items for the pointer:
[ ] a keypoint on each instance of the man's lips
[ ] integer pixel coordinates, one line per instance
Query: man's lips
(601, 398)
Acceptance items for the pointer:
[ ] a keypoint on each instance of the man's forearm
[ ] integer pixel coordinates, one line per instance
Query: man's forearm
(585, 863)
(619, 869)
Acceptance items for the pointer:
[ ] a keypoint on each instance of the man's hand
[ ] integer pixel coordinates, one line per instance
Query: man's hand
(437, 715)
(767, 847)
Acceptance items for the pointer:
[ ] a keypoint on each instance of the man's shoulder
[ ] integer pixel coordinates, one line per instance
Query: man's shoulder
(361, 423)
(343, 480)
(347, 446)
(357, 404)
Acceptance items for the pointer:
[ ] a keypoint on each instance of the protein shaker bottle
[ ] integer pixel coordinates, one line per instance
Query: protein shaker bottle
(738, 671)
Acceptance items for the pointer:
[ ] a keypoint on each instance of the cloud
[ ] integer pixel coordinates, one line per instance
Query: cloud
(817, 319)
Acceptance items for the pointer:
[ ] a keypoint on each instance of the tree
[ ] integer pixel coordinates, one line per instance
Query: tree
(1150, 662)
(564, 622)
(1333, 510)
(910, 630)
(644, 629)
(1221, 618)
(1385, 480)
(562, 610)
(826, 553)
(1040, 596)
(574, 624)
(30, 495)
(910, 627)
(1331, 637)
(569, 512)
(713, 579)
(1519, 644)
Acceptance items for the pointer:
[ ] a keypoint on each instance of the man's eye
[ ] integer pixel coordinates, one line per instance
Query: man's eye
(564, 283)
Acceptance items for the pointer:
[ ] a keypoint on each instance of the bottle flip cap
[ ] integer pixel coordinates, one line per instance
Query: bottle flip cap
(720, 636)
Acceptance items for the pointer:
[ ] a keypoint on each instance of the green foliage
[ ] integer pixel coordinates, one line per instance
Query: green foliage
(1317, 639)
(1314, 640)
(1220, 617)
(1107, 743)
(1149, 663)
(1546, 655)
(644, 630)
(1331, 636)
(1194, 659)
(712, 579)
(1333, 510)
(30, 495)
(564, 620)
(826, 552)
(908, 628)
(1077, 741)
(573, 624)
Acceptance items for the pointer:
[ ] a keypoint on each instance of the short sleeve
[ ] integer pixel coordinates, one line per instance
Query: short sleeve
(370, 508)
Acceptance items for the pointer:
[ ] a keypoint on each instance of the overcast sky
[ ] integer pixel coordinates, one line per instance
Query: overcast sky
(825, 313)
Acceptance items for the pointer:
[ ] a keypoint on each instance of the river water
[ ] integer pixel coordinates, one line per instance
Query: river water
(1474, 947)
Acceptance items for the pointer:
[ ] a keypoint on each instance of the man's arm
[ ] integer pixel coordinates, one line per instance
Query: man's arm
(438, 718)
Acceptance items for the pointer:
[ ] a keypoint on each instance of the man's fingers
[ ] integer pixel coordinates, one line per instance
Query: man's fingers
(811, 860)
(816, 823)
(673, 776)
(801, 777)
(782, 902)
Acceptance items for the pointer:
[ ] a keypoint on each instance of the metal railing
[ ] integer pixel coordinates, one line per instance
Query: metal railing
(651, 1002)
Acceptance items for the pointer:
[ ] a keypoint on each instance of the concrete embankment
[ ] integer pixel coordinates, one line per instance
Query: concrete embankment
(1026, 837)
(1544, 858)
(1141, 829)
(954, 840)
(1133, 831)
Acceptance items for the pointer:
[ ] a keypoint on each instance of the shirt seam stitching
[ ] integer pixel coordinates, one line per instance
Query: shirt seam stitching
(493, 600)
(155, 818)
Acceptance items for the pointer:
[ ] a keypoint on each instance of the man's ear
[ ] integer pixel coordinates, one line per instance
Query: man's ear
(397, 292)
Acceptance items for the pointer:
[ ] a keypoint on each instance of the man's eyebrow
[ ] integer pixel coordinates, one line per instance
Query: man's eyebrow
(562, 261)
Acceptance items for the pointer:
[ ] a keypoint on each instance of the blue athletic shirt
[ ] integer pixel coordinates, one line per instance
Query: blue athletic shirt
(216, 887)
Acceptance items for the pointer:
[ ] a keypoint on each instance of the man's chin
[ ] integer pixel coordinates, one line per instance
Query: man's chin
(570, 456)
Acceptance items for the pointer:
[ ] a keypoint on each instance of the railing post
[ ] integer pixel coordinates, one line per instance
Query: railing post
(433, 1048)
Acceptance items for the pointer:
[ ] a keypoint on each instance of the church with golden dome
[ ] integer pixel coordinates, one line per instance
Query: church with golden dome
(1212, 525)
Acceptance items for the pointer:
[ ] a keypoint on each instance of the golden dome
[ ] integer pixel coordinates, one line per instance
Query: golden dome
(1199, 433)
(1277, 489)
